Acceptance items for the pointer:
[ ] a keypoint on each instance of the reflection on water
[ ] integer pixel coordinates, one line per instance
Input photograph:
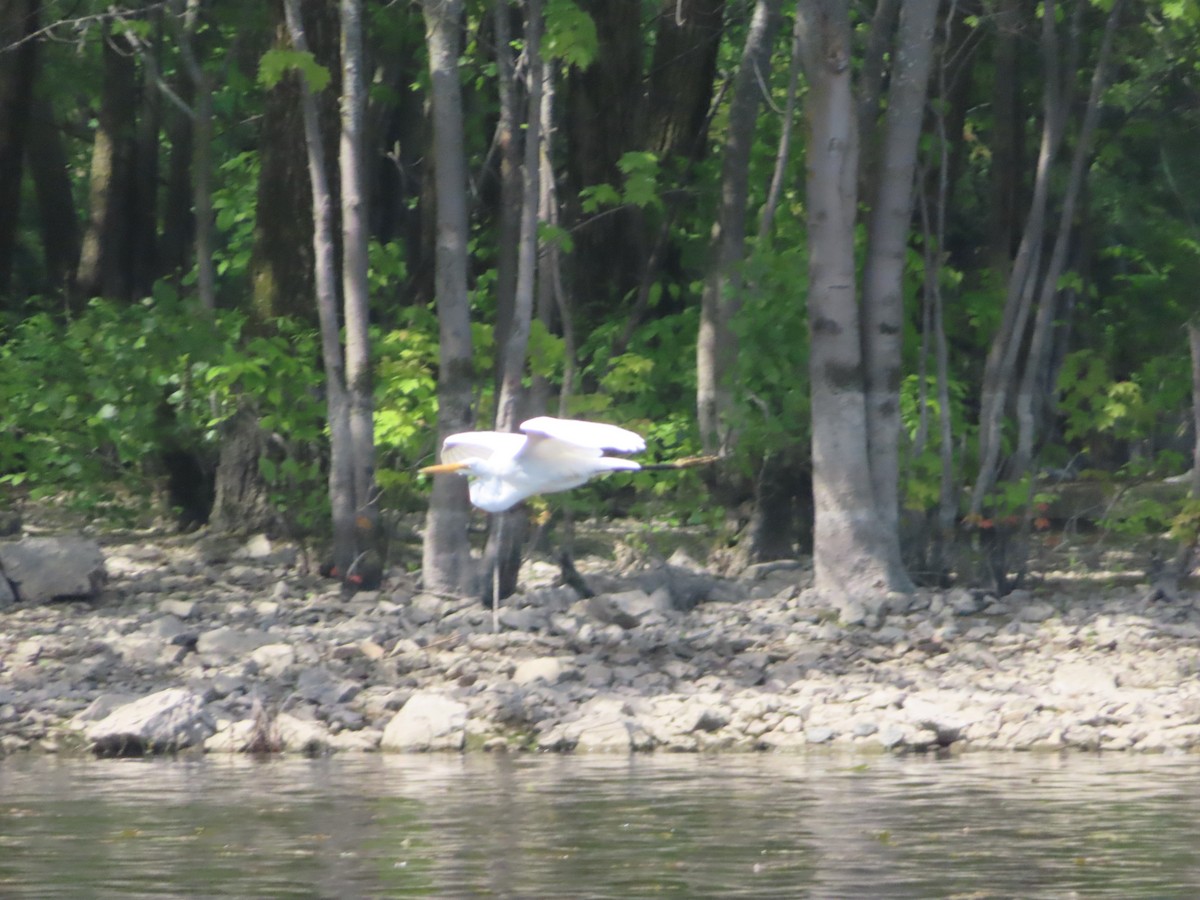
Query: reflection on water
(579, 826)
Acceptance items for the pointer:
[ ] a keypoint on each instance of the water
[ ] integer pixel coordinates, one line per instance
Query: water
(980, 826)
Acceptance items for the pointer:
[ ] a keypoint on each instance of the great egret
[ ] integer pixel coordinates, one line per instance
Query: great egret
(550, 455)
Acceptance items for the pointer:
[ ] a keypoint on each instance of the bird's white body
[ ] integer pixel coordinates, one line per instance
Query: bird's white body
(549, 455)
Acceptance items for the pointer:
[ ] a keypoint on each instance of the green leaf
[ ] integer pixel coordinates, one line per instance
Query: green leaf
(278, 61)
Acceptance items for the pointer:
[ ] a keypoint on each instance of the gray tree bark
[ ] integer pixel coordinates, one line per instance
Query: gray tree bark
(446, 555)
(887, 245)
(850, 548)
(341, 477)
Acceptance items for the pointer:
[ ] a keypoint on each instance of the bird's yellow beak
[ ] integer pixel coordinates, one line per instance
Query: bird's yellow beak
(442, 468)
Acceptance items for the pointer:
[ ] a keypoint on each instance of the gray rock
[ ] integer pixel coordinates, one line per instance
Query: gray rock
(229, 644)
(298, 735)
(549, 669)
(1033, 611)
(41, 569)
(428, 721)
(323, 687)
(273, 660)
(159, 723)
(628, 609)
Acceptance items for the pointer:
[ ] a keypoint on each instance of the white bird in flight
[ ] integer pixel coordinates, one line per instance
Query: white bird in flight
(550, 455)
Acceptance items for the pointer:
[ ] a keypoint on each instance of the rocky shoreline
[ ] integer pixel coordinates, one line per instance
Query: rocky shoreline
(200, 645)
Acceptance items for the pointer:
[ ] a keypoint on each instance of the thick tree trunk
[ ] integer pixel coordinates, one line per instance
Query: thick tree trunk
(282, 267)
(49, 166)
(18, 67)
(242, 502)
(850, 549)
(887, 246)
(446, 556)
(1005, 144)
(104, 258)
(175, 243)
(144, 178)
(716, 342)
(681, 77)
(603, 110)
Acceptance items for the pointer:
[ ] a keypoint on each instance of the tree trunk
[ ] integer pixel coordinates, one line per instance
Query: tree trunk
(242, 501)
(1193, 330)
(368, 534)
(144, 167)
(681, 77)
(508, 219)
(1005, 144)
(850, 549)
(282, 268)
(18, 67)
(104, 257)
(1036, 377)
(887, 246)
(716, 343)
(50, 168)
(603, 109)
(341, 456)
(201, 154)
(446, 556)
(1000, 366)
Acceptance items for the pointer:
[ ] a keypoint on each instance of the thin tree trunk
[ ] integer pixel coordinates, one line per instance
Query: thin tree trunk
(341, 477)
(369, 545)
(1031, 395)
(887, 241)
(716, 344)
(1193, 330)
(508, 406)
(502, 556)
(201, 151)
(766, 216)
(508, 224)
(850, 550)
(1000, 366)
(446, 556)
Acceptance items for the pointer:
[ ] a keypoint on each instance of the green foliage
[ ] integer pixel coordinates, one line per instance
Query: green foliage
(91, 405)
(90, 402)
(641, 187)
(570, 34)
(278, 61)
(405, 402)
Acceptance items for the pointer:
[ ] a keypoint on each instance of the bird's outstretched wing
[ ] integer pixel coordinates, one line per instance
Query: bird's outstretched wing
(591, 438)
(479, 445)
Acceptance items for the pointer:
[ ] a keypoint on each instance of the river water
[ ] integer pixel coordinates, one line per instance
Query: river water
(976, 826)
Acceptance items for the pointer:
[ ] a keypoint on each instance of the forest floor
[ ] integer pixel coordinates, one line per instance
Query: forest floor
(239, 645)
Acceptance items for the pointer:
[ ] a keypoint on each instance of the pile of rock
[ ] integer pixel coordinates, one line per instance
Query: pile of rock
(193, 646)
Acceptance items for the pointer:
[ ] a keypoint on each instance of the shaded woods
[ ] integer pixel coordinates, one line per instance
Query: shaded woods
(907, 267)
